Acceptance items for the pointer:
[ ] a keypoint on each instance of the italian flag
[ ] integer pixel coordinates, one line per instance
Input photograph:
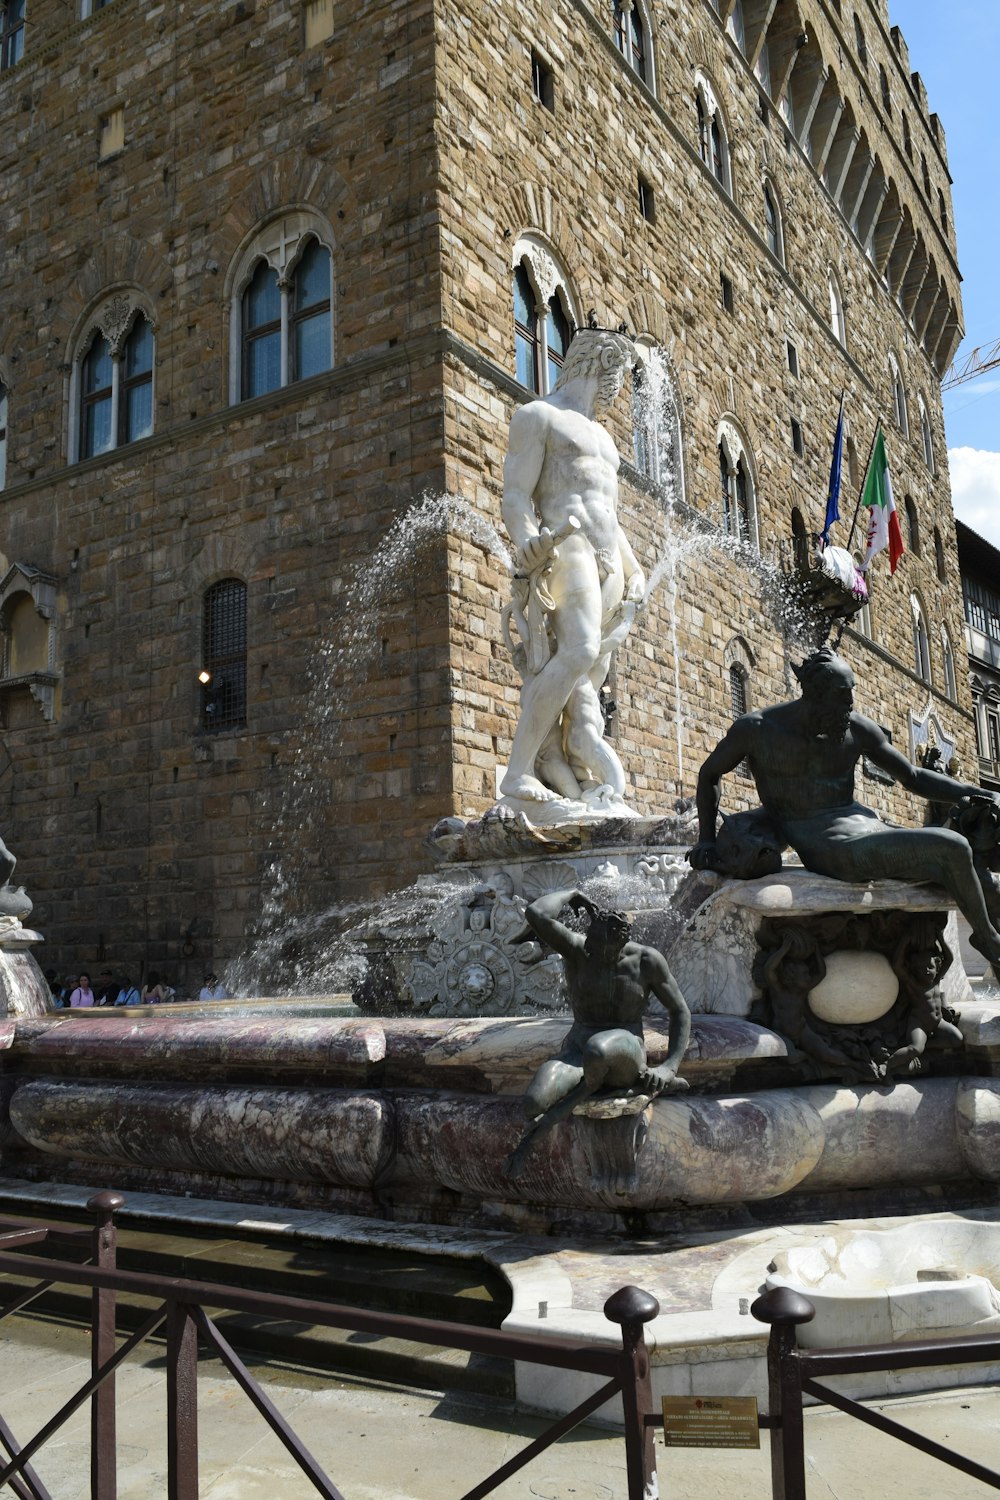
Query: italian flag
(883, 524)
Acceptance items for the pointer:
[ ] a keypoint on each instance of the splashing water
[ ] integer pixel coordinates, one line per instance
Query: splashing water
(277, 961)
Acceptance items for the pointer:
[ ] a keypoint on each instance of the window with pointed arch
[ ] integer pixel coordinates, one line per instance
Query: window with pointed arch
(772, 224)
(11, 32)
(800, 541)
(948, 660)
(112, 380)
(632, 33)
(940, 564)
(281, 306)
(736, 26)
(713, 141)
(926, 436)
(912, 525)
(656, 426)
(861, 45)
(3, 435)
(543, 319)
(899, 409)
(223, 674)
(862, 621)
(921, 641)
(738, 500)
(838, 322)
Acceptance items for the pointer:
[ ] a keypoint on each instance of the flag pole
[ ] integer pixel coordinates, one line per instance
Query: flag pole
(864, 478)
(833, 499)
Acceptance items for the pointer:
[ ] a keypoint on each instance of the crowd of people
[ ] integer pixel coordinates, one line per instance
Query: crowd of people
(77, 991)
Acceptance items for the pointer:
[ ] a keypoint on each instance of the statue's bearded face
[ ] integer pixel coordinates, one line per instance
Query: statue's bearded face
(830, 703)
(608, 934)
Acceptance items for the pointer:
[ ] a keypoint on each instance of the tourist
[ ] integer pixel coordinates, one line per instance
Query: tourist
(153, 991)
(106, 988)
(127, 994)
(83, 995)
(213, 989)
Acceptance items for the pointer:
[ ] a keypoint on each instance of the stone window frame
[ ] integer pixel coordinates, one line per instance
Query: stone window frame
(280, 240)
(912, 525)
(12, 20)
(738, 476)
(549, 281)
(4, 428)
(926, 434)
(21, 581)
(900, 406)
(622, 11)
(948, 659)
(837, 316)
(921, 641)
(739, 662)
(659, 455)
(90, 8)
(736, 26)
(862, 621)
(940, 564)
(713, 133)
(223, 673)
(113, 320)
(772, 199)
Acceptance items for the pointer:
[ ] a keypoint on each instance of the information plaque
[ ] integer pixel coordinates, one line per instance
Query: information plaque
(710, 1422)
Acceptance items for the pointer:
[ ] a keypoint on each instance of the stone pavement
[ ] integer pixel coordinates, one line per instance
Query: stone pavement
(378, 1442)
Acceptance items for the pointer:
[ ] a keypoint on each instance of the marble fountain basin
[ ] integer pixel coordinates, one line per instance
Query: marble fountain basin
(920, 1280)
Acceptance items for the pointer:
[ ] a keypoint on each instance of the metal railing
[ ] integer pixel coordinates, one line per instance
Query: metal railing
(183, 1319)
(791, 1372)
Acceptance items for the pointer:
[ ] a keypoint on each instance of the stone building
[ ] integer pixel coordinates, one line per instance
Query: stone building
(274, 270)
(979, 562)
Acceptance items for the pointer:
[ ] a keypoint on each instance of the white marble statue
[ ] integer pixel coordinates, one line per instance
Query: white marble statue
(576, 589)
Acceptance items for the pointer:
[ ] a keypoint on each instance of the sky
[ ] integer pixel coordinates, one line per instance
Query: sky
(955, 47)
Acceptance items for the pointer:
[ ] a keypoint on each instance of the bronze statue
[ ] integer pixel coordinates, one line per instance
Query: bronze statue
(609, 980)
(802, 756)
(920, 963)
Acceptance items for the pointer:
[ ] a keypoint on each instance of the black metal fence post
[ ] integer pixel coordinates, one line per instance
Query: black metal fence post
(631, 1308)
(784, 1310)
(182, 1403)
(103, 1437)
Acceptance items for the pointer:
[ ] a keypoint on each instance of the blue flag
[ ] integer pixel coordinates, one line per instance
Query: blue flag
(833, 495)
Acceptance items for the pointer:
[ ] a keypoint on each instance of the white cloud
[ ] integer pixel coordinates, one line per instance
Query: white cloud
(975, 490)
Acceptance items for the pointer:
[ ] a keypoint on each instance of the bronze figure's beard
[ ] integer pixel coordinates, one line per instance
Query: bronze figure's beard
(832, 725)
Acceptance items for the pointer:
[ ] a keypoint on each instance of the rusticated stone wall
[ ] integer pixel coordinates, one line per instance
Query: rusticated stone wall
(412, 129)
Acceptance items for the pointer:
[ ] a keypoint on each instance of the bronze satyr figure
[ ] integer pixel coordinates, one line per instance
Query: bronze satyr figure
(802, 756)
(609, 980)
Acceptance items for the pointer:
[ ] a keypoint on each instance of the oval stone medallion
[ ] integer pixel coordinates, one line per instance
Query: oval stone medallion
(856, 988)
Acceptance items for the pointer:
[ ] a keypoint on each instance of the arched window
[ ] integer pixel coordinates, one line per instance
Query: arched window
(800, 541)
(838, 322)
(112, 381)
(737, 691)
(713, 140)
(948, 658)
(656, 426)
(3, 436)
(280, 289)
(736, 26)
(862, 621)
(861, 45)
(762, 68)
(772, 224)
(939, 558)
(883, 80)
(739, 519)
(11, 33)
(899, 410)
(912, 525)
(543, 317)
(907, 138)
(926, 437)
(223, 673)
(921, 641)
(925, 175)
(632, 37)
